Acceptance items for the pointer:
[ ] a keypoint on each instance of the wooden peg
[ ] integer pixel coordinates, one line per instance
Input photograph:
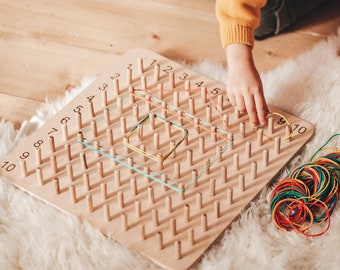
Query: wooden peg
(53, 161)
(270, 125)
(156, 140)
(277, 145)
(204, 222)
(212, 187)
(152, 121)
(67, 149)
(160, 240)
(176, 99)
(180, 116)
(189, 157)
(253, 170)
(132, 94)
(117, 178)
(182, 193)
(156, 71)
(236, 162)
(241, 183)
(124, 219)
(147, 102)
(236, 113)
(172, 80)
(173, 228)
(165, 181)
(80, 138)
(135, 112)
(129, 76)
(259, 136)
(38, 156)
(248, 150)
(69, 171)
(178, 250)
(120, 197)
(164, 109)
(72, 190)
(106, 209)
(187, 86)
(197, 125)
(143, 82)
(52, 144)
(199, 202)
(79, 120)
(107, 119)
(96, 145)
(116, 87)
(100, 169)
(146, 170)
(56, 185)
(133, 185)
(109, 136)
(201, 145)
(123, 125)
(204, 94)
(103, 190)
(225, 119)
(130, 162)
(167, 125)
(91, 108)
(140, 65)
(104, 98)
(194, 177)
(151, 195)
(23, 167)
(143, 148)
(168, 203)
(224, 174)
(113, 155)
(220, 102)
(64, 130)
(94, 128)
(160, 90)
(207, 165)
(138, 209)
(177, 169)
(242, 130)
(208, 114)
(89, 203)
(186, 213)
(142, 232)
(40, 177)
(191, 236)
(229, 196)
(155, 219)
(265, 157)
(231, 141)
(86, 181)
(172, 146)
(219, 152)
(213, 132)
(192, 106)
(120, 105)
(217, 211)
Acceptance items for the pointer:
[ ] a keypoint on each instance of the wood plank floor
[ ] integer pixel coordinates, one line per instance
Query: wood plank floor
(47, 46)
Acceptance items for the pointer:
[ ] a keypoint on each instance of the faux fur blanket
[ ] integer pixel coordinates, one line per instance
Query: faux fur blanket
(34, 235)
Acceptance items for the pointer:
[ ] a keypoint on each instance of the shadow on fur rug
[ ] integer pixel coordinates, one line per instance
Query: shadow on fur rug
(34, 235)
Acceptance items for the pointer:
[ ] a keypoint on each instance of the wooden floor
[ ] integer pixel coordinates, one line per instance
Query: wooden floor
(47, 46)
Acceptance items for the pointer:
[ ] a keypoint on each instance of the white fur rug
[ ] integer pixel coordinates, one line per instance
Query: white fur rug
(34, 235)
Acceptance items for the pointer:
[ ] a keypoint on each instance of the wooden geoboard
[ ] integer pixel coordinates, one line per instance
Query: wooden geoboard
(154, 156)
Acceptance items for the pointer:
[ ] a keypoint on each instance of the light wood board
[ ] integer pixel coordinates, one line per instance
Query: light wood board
(170, 210)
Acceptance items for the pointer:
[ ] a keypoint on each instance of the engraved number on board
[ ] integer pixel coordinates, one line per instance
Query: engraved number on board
(8, 166)
(296, 127)
(25, 155)
(167, 69)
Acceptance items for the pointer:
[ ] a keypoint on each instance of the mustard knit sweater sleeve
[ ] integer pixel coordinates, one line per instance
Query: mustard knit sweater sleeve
(238, 20)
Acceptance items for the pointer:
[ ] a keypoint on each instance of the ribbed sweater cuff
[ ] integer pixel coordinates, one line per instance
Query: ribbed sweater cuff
(237, 34)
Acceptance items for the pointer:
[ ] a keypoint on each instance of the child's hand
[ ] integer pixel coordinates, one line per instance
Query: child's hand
(244, 86)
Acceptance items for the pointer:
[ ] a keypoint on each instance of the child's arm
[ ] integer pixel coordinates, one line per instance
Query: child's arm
(238, 19)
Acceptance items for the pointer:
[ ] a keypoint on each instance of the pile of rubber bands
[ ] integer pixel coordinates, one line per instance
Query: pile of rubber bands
(308, 194)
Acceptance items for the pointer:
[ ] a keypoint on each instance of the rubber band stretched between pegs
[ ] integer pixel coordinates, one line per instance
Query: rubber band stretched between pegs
(272, 138)
(144, 153)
